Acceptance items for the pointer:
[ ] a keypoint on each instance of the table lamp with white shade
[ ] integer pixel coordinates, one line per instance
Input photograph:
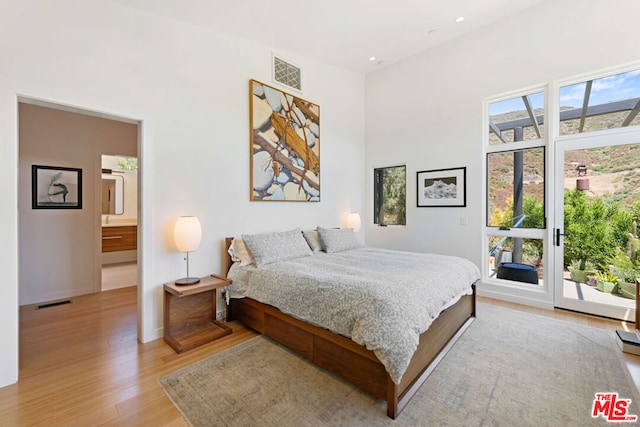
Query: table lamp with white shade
(353, 221)
(187, 234)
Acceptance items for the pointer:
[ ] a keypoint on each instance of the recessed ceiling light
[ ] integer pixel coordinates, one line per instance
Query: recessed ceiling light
(460, 19)
(372, 58)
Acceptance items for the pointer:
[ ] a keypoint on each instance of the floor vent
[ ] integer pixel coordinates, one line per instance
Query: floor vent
(287, 73)
(53, 304)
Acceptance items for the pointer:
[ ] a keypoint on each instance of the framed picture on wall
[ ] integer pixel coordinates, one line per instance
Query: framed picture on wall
(442, 188)
(54, 187)
(284, 146)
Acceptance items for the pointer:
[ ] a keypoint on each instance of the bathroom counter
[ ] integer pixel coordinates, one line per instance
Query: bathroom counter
(117, 223)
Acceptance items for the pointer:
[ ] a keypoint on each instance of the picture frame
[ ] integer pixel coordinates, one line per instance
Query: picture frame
(284, 142)
(442, 188)
(54, 187)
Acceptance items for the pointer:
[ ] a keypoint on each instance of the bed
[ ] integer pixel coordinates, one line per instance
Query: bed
(352, 353)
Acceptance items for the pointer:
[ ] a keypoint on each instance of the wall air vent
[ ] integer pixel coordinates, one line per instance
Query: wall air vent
(53, 304)
(286, 73)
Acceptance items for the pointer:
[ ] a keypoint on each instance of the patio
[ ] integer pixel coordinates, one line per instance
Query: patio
(584, 292)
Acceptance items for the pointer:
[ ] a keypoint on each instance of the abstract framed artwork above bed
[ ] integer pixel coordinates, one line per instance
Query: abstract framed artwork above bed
(284, 144)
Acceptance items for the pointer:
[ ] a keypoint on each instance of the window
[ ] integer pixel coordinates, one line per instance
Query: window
(127, 163)
(516, 119)
(611, 102)
(516, 188)
(390, 201)
(516, 176)
(505, 249)
(515, 223)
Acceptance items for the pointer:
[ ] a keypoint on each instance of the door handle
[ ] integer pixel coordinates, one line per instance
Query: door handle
(558, 234)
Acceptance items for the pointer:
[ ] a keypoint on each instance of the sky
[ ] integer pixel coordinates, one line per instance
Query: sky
(603, 90)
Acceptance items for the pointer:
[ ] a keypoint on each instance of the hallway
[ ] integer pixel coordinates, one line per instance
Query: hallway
(116, 276)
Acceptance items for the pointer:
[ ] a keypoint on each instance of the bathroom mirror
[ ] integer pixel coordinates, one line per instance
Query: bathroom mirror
(112, 194)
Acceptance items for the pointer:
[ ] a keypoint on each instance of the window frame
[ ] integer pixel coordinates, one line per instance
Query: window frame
(487, 185)
(378, 192)
(488, 148)
(557, 85)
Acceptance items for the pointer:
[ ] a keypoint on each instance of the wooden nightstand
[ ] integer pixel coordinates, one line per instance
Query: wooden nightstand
(190, 313)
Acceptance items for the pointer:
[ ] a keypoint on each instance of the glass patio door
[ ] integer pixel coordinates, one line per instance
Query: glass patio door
(596, 211)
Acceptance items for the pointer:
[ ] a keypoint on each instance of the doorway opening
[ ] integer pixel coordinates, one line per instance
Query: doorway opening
(597, 203)
(60, 252)
(600, 207)
(119, 221)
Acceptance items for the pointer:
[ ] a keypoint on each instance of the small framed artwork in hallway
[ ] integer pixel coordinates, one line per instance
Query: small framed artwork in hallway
(55, 187)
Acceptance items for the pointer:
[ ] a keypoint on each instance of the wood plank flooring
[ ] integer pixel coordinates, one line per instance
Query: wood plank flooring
(115, 276)
(81, 364)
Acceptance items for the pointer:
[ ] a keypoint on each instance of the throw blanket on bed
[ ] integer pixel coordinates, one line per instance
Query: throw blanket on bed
(382, 299)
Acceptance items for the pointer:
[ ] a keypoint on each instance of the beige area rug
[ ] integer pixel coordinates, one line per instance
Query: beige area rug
(509, 368)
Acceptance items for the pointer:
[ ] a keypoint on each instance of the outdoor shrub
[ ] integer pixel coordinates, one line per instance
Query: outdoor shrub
(588, 231)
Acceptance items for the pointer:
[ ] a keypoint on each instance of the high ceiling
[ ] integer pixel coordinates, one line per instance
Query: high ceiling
(345, 33)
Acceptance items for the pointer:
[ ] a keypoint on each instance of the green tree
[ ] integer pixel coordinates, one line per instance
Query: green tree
(621, 222)
(395, 200)
(127, 163)
(589, 233)
(533, 209)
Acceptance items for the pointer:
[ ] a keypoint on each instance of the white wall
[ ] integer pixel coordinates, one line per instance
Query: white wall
(130, 196)
(189, 89)
(427, 111)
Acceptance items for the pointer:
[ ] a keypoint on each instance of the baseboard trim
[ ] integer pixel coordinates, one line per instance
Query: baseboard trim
(516, 299)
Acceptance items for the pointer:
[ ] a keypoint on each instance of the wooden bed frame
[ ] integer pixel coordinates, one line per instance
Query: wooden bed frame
(352, 361)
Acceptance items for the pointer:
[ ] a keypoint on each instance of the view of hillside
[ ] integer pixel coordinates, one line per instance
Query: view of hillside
(601, 210)
(601, 204)
(567, 127)
(613, 172)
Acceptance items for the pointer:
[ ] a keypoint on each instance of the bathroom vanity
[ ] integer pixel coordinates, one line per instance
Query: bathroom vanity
(118, 237)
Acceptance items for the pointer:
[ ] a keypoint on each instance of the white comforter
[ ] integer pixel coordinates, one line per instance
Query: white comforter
(382, 299)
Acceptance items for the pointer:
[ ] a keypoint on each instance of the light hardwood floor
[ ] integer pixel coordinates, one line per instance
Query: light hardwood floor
(115, 276)
(81, 364)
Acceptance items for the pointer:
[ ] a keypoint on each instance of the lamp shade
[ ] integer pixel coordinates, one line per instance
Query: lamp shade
(353, 221)
(187, 233)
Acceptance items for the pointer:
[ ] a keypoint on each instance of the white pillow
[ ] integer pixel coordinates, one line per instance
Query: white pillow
(338, 239)
(273, 247)
(239, 253)
(311, 236)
